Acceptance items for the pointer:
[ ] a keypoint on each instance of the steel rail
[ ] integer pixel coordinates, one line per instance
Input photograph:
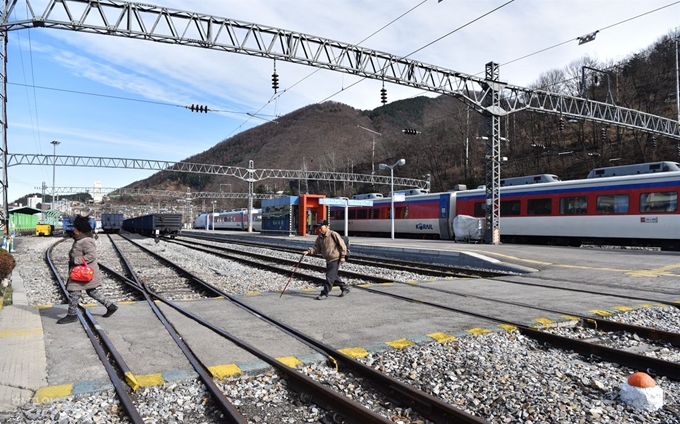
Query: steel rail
(123, 395)
(421, 402)
(232, 413)
(597, 323)
(321, 395)
(651, 365)
(430, 269)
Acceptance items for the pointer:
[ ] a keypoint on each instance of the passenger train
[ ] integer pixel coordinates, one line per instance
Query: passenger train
(632, 205)
(230, 220)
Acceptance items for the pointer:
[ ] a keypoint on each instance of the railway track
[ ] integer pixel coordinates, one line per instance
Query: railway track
(350, 411)
(547, 340)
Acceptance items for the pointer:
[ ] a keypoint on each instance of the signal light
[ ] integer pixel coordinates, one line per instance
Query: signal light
(383, 95)
(199, 108)
(410, 131)
(275, 81)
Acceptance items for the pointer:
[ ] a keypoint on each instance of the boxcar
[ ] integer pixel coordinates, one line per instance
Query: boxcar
(112, 222)
(157, 224)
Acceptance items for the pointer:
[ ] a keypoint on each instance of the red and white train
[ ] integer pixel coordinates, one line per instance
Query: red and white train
(624, 205)
(230, 220)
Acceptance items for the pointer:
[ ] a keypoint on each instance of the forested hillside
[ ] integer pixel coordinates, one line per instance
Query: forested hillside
(326, 137)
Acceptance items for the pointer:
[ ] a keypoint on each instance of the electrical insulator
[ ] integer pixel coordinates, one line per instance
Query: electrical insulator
(409, 131)
(197, 108)
(561, 124)
(654, 142)
(275, 81)
(603, 134)
(383, 95)
(679, 150)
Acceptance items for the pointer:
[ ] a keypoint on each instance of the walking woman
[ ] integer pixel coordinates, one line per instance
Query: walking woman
(84, 246)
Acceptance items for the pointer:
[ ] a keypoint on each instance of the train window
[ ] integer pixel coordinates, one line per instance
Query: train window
(340, 214)
(480, 209)
(362, 214)
(612, 203)
(352, 214)
(539, 206)
(659, 202)
(574, 205)
(374, 213)
(510, 208)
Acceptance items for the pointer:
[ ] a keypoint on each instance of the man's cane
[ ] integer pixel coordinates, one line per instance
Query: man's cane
(291, 275)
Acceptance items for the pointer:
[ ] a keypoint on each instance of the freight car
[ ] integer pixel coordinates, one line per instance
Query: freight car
(68, 224)
(112, 222)
(157, 224)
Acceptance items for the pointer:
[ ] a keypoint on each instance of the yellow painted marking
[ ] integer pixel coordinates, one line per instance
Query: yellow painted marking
(291, 361)
(656, 272)
(253, 293)
(132, 381)
(355, 352)
(570, 318)
(150, 380)
(478, 331)
(660, 305)
(401, 343)
(601, 312)
(20, 333)
(222, 371)
(663, 271)
(413, 282)
(442, 337)
(645, 305)
(364, 285)
(431, 280)
(49, 305)
(386, 284)
(126, 302)
(217, 297)
(88, 305)
(676, 301)
(46, 394)
(545, 321)
(622, 308)
(508, 327)
(309, 289)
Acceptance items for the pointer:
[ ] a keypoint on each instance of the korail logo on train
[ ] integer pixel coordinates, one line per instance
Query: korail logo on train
(421, 226)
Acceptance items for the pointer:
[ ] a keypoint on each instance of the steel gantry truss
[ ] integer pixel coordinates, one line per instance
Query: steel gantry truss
(245, 174)
(485, 95)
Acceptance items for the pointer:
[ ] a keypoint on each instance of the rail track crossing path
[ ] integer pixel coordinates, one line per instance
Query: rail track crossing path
(466, 333)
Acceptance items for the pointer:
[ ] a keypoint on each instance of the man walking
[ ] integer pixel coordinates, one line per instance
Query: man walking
(333, 249)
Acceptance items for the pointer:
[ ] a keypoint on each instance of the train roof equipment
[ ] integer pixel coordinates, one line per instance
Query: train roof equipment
(367, 196)
(531, 179)
(640, 168)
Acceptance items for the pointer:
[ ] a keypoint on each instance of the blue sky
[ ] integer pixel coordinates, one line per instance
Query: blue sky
(104, 123)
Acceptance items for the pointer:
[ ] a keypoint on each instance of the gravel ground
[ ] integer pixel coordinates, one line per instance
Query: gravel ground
(501, 377)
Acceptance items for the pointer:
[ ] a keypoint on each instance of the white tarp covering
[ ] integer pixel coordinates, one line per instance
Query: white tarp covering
(467, 227)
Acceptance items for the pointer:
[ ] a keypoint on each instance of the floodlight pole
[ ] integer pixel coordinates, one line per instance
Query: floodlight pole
(55, 143)
(373, 150)
(391, 167)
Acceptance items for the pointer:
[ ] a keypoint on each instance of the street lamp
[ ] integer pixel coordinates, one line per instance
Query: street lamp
(55, 143)
(213, 214)
(391, 167)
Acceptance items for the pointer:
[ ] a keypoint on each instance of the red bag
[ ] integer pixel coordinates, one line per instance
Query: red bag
(82, 273)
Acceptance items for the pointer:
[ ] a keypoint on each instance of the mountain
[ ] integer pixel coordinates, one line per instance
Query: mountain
(327, 137)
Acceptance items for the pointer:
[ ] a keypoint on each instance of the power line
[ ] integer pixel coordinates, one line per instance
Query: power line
(275, 96)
